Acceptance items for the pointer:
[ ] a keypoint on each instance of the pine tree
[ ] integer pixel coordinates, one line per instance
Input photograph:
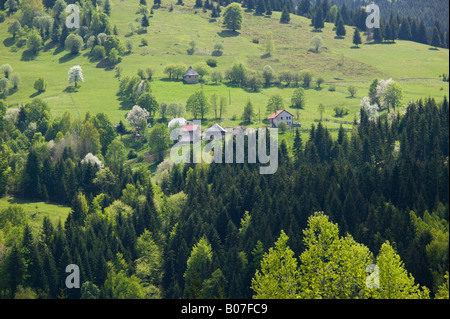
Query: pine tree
(260, 7)
(388, 33)
(268, 9)
(32, 186)
(356, 38)
(144, 22)
(377, 36)
(285, 16)
(422, 33)
(297, 147)
(340, 28)
(14, 269)
(435, 39)
(303, 7)
(318, 20)
(405, 30)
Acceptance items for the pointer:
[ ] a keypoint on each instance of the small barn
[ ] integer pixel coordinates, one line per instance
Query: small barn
(281, 115)
(215, 130)
(191, 76)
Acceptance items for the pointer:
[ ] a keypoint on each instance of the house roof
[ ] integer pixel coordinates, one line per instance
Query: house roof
(189, 128)
(274, 115)
(190, 71)
(215, 128)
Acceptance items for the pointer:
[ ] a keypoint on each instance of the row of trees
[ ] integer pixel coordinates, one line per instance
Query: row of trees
(37, 25)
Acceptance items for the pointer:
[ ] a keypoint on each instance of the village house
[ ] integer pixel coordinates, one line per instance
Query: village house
(281, 115)
(190, 133)
(215, 130)
(191, 76)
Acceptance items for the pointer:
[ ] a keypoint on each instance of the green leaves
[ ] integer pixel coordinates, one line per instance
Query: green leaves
(331, 267)
(279, 275)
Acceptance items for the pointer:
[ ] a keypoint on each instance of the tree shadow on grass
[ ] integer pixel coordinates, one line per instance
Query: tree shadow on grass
(106, 64)
(28, 55)
(70, 89)
(32, 96)
(58, 50)
(228, 33)
(68, 57)
(8, 42)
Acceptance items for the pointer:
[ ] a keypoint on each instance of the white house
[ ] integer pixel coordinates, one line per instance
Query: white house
(214, 130)
(281, 115)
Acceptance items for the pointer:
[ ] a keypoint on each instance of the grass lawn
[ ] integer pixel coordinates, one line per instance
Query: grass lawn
(38, 210)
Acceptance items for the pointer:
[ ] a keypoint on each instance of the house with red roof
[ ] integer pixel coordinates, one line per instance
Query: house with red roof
(281, 115)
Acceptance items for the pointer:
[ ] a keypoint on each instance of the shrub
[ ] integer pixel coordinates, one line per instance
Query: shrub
(132, 154)
(212, 62)
(340, 111)
(352, 90)
(98, 52)
(283, 126)
(74, 43)
(40, 85)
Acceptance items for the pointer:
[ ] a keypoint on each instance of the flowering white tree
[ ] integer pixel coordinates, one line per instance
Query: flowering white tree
(92, 159)
(370, 109)
(75, 75)
(136, 115)
(389, 94)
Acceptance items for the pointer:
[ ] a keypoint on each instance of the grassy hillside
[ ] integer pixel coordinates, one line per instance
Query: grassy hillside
(416, 67)
(36, 211)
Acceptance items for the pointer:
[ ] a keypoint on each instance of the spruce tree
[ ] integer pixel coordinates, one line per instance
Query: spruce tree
(340, 28)
(268, 9)
(260, 7)
(435, 39)
(297, 147)
(285, 17)
(357, 38)
(405, 30)
(422, 33)
(389, 33)
(377, 37)
(318, 19)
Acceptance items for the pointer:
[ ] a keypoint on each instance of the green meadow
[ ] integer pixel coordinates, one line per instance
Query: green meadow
(36, 211)
(415, 66)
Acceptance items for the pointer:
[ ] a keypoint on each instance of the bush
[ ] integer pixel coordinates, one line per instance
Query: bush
(74, 43)
(340, 111)
(40, 85)
(212, 62)
(132, 154)
(98, 52)
(352, 90)
(283, 126)
(2, 16)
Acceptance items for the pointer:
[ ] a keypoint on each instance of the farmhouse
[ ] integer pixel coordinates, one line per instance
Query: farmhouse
(191, 76)
(190, 133)
(215, 130)
(281, 115)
